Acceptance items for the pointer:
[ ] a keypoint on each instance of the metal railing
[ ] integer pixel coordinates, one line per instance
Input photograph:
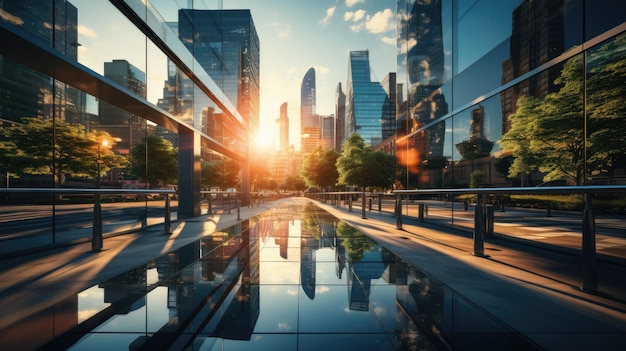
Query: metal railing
(484, 215)
(97, 238)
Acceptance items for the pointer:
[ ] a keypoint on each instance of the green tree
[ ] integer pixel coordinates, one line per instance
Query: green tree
(155, 161)
(605, 108)
(47, 146)
(319, 168)
(547, 133)
(295, 183)
(360, 165)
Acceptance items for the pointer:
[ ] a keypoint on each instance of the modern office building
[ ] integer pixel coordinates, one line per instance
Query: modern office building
(65, 69)
(340, 117)
(511, 93)
(283, 130)
(327, 132)
(364, 100)
(309, 119)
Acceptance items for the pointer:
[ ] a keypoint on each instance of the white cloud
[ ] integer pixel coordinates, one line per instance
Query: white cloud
(389, 40)
(321, 70)
(380, 22)
(350, 3)
(86, 31)
(354, 16)
(329, 15)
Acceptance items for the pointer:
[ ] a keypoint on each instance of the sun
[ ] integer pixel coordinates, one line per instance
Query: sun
(264, 139)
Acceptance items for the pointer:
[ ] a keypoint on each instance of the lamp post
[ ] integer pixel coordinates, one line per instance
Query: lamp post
(104, 143)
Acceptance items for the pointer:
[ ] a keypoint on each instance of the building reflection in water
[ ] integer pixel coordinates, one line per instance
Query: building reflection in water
(215, 291)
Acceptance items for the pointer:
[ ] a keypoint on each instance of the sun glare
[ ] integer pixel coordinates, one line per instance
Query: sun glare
(264, 139)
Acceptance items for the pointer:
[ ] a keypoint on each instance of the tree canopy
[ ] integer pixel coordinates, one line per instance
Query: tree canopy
(49, 146)
(319, 168)
(360, 165)
(548, 134)
(161, 158)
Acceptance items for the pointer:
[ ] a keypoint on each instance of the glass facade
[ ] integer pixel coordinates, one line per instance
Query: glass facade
(365, 101)
(510, 93)
(105, 94)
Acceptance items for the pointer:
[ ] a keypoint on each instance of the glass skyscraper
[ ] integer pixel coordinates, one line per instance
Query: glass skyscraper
(511, 93)
(70, 82)
(365, 101)
(309, 120)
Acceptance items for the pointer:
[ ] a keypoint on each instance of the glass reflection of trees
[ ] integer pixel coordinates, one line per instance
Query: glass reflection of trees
(548, 134)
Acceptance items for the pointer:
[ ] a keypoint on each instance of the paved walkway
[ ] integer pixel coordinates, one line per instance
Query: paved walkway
(533, 290)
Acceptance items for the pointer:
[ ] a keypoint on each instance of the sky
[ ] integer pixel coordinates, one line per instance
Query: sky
(296, 35)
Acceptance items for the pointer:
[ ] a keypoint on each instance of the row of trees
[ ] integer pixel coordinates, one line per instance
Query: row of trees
(357, 165)
(40, 146)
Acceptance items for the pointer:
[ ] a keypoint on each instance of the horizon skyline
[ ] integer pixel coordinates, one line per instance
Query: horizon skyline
(317, 35)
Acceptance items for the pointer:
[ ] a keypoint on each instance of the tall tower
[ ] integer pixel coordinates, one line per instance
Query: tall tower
(309, 120)
(283, 127)
(340, 115)
(364, 100)
(226, 45)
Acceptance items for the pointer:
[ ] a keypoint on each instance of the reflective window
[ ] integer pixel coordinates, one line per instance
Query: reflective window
(545, 131)
(605, 111)
(602, 15)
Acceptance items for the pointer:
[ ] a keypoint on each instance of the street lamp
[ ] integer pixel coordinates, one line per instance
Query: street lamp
(104, 143)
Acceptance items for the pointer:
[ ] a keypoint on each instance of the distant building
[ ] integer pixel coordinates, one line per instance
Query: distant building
(340, 117)
(128, 128)
(309, 119)
(283, 128)
(364, 100)
(327, 133)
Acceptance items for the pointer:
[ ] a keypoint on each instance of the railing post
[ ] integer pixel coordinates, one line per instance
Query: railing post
(228, 204)
(363, 216)
(479, 230)
(96, 236)
(489, 221)
(349, 202)
(398, 212)
(238, 204)
(590, 274)
(168, 218)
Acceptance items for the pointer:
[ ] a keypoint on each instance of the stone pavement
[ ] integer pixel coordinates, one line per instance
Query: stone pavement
(532, 290)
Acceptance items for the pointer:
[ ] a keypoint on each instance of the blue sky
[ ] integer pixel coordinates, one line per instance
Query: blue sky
(295, 35)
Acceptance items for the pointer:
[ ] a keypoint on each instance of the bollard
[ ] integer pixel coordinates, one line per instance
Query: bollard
(380, 202)
(96, 236)
(369, 204)
(421, 212)
(549, 212)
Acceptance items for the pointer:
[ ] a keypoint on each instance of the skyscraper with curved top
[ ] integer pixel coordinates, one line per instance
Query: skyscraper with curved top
(309, 120)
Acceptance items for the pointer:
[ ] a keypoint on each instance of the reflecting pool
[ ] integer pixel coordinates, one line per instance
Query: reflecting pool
(292, 278)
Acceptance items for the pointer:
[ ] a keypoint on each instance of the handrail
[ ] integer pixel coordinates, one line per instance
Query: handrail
(81, 191)
(97, 240)
(583, 189)
(482, 216)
